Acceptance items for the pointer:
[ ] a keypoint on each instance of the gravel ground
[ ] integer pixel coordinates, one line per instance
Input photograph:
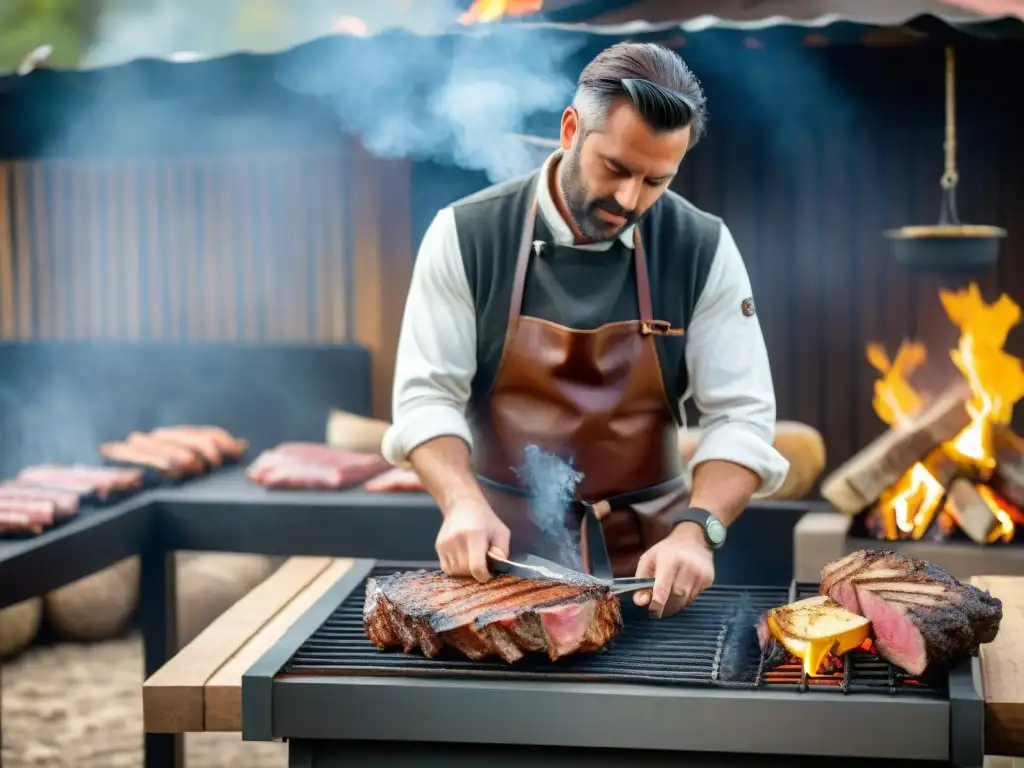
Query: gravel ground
(80, 706)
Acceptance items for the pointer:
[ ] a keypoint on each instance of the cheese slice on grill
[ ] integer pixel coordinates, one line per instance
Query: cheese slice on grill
(811, 629)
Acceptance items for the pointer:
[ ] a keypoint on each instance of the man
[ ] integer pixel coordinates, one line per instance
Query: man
(576, 309)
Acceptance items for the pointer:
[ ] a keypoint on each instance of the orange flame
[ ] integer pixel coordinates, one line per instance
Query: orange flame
(494, 10)
(995, 377)
(895, 398)
(996, 380)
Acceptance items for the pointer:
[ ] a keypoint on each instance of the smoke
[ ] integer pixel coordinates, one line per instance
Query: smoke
(462, 98)
(418, 86)
(551, 485)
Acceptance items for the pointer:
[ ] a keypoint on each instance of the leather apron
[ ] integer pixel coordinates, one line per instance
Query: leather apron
(596, 396)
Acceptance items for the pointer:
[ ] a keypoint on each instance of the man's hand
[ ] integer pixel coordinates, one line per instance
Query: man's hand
(469, 530)
(682, 566)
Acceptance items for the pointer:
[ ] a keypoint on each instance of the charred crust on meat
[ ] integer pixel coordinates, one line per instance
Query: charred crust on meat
(507, 616)
(920, 614)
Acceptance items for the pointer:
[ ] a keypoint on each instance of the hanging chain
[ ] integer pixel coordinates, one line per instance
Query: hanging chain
(950, 177)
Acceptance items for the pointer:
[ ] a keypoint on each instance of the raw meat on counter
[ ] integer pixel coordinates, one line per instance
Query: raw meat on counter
(313, 466)
(919, 614)
(45, 494)
(395, 480)
(65, 502)
(177, 451)
(26, 515)
(214, 444)
(81, 479)
(507, 617)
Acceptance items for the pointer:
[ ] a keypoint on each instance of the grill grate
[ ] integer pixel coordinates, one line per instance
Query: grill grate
(712, 643)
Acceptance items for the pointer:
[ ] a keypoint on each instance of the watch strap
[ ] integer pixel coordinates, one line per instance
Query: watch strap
(703, 518)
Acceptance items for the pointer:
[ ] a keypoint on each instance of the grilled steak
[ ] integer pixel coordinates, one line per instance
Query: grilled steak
(920, 614)
(313, 466)
(395, 480)
(506, 617)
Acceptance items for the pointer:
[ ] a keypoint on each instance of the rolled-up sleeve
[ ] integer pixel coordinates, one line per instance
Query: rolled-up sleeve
(730, 376)
(436, 358)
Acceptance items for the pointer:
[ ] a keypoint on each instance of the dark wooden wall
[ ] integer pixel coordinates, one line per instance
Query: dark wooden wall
(252, 248)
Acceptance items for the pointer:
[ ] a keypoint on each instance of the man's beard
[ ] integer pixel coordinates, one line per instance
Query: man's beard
(583, 210)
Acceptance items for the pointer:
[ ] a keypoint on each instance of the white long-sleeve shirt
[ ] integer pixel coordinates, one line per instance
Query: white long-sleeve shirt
(729, 373)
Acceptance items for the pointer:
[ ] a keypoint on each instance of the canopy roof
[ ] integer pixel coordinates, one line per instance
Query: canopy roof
(121, 41)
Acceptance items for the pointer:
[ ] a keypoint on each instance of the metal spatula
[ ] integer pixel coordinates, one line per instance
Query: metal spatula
(534, 567)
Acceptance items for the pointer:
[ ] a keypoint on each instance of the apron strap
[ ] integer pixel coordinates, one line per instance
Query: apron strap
(643, 281)
(515, 306)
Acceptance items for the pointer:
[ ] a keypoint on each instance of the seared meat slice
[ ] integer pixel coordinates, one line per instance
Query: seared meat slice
(919, 613)
(507, 617)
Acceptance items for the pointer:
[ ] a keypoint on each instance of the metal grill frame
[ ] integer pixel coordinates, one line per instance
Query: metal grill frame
(603, 715)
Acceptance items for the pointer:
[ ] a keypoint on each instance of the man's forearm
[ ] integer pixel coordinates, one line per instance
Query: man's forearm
(724, 488)
(443, 466)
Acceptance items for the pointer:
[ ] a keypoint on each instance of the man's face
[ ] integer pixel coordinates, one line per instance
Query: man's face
(613, 174)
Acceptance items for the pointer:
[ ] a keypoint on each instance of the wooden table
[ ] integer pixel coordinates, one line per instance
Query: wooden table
(1002, 669)
(200, 689)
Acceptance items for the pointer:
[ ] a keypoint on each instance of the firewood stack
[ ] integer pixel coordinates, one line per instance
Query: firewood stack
(950, 462)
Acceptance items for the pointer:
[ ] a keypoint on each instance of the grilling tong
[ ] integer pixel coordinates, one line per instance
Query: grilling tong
(533, 567)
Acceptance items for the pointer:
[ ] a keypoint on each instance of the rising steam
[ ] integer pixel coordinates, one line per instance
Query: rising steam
(551, 484)
(418, 86)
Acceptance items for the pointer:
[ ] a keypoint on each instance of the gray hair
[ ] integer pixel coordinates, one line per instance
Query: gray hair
(656, 81)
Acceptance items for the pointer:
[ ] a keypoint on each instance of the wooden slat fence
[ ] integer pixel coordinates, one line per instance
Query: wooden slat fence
(244, 248)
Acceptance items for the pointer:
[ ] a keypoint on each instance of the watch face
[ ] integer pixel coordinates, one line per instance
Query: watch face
(715, 531)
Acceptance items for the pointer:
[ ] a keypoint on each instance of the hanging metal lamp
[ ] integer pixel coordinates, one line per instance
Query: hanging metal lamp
(948, 247)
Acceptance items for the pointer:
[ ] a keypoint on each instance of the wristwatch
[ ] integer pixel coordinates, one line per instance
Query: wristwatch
(714, 531)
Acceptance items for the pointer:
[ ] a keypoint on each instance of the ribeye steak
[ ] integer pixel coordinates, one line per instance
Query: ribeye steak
(508, 616)
(920, 615)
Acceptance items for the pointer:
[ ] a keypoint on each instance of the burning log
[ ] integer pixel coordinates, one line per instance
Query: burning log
(971, 512)
(859, 482)
(1008, 480)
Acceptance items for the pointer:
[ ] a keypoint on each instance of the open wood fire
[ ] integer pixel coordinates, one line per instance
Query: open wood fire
(493, 10)
(949, 462)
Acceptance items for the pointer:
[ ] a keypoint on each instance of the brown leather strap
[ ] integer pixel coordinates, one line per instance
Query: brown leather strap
(515, 307)
(643, 282)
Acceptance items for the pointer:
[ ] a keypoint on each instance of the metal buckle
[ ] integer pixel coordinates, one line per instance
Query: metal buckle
(659, 328)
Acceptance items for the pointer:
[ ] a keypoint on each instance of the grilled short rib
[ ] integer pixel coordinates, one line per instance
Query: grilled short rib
(507, 617)
(920, 615)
